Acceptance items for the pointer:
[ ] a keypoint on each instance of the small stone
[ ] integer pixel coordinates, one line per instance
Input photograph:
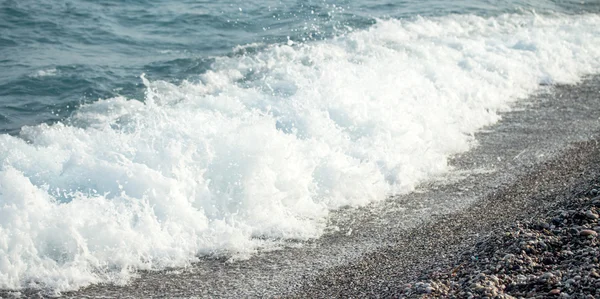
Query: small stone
(588, 232)
(508, 256)
(591, 215)
(554, 292)
(570, 281)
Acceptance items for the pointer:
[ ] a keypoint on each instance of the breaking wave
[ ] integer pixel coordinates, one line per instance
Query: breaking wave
(264, 145)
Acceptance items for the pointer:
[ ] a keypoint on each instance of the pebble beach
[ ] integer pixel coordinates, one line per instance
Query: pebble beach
(551, 256)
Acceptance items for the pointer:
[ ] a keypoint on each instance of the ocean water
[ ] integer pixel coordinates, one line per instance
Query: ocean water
(143, 135)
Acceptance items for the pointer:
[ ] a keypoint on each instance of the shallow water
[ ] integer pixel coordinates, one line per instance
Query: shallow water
(140, 136)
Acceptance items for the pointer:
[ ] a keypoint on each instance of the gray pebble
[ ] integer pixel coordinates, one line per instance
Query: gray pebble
(591, 215)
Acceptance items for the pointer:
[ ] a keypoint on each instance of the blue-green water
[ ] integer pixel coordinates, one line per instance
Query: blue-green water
(56, 55)
(143, 134)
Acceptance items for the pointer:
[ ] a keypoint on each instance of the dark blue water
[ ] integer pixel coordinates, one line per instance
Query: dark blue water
(56, 55)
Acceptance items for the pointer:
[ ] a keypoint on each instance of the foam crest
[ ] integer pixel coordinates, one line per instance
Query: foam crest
(263, 146)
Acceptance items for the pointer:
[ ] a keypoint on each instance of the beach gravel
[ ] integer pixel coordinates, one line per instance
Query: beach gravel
(556, 255)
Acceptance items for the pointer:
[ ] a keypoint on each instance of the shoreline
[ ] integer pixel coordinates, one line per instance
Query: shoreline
(435, 247)
(540, 153)
(538, 188)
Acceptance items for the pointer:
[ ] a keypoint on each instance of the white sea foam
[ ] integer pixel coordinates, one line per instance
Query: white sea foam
(267, 144)
(44, 73)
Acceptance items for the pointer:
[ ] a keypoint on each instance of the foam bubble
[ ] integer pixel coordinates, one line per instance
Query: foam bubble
(266, 144)
(45, 73)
